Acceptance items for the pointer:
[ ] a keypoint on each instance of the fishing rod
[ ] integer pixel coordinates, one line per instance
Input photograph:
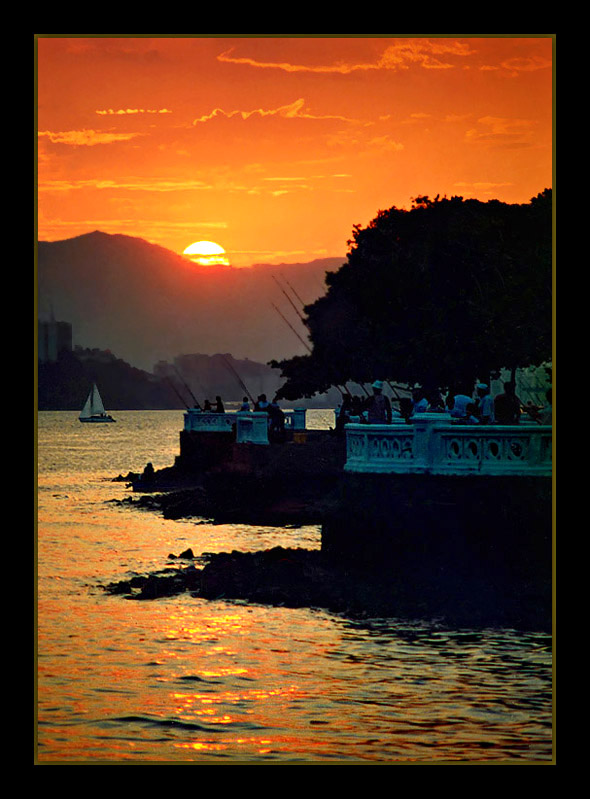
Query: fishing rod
(197, 403)
(289, 299)
(307, 347)
(239, 379)
(294, 292)
(178, 394)
(305, 344)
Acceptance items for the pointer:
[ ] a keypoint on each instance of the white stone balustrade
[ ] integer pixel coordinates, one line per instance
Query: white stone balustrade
(249, 426)
(430, 444)
(205, 422)
(252, 427)
(295, 419)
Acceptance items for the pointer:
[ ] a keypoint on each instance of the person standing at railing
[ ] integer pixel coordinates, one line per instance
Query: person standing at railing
(485, 404)
(262, 403)
(219, 405)
(378, 406)
(276, 428)
(356, 407)
(507, 405)
(245, 406)
(344, 414)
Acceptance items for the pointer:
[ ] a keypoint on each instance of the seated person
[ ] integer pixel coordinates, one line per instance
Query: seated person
(419, 401)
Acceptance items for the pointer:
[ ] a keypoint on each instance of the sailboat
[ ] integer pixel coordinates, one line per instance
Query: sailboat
(93, 410)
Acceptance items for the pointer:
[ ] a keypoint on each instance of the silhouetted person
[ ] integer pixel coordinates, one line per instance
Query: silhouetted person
(485, 404)
(507, 405)
(470, 414)
(148, 475)
(276, 421)
(262, 403)
(245, 406)
(219, 405)
(207, 406)
(419, 401)
(406, 408)
(356, 407)
(344, 414)
(435, 401)
(461, 401)
(378, 406)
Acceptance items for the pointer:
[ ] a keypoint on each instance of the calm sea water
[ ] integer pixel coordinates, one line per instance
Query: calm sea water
(189, 680)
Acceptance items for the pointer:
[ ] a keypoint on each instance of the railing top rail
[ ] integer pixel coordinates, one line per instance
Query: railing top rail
(454, 426)
(444, 447)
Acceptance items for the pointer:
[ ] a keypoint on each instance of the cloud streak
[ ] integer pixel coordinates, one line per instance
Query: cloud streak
(294, 110)
(125, 185)
(502, 132)
(122, 111)
(85, 138)
(402, 54)
(519, 64)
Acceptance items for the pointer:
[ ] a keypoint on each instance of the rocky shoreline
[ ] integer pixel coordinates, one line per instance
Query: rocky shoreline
(410, 588)
(298, 578)
(224, 497)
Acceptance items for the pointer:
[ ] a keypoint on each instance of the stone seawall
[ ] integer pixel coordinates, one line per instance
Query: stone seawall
(445, 530)
(317, 452)
(476, 549)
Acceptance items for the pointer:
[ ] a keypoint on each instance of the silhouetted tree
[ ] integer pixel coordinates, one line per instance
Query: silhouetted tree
(445, 292)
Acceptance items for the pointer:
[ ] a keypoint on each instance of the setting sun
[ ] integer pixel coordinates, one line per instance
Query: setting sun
(206, 253)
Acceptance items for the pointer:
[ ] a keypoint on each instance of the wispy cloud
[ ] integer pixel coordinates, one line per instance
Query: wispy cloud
(519, 64)
(384, 144)
(126, 185)
(122, 111)
(86, 138)
(502, 132)
(402, 54)
(295, 110)
(291, 184)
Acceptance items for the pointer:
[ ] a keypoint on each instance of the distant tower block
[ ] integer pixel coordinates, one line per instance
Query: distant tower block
(53, 338)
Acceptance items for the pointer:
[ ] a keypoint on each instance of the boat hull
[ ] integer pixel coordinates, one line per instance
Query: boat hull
(98, 419)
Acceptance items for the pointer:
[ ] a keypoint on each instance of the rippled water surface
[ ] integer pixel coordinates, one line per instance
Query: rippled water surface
(184, 679)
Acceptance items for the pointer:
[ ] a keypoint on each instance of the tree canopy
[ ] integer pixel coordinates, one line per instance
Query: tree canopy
(442, 294)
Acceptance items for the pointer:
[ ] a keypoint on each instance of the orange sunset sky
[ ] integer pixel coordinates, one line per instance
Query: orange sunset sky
(275, 147)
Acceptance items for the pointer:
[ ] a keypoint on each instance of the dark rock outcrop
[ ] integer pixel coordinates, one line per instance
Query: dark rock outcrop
(306, 578)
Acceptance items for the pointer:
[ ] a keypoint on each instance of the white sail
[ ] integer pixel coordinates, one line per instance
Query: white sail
(86, 411)
(97, 405)
(93, 410)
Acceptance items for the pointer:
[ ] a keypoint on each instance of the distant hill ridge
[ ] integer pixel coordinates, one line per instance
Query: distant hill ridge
(147, 303)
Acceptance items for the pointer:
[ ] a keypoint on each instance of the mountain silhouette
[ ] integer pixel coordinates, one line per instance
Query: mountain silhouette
(146, 303)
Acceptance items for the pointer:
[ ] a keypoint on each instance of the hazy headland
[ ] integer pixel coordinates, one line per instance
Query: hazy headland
(146, 303)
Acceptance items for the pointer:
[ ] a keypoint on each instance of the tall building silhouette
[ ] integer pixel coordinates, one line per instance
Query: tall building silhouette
(53, 337)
